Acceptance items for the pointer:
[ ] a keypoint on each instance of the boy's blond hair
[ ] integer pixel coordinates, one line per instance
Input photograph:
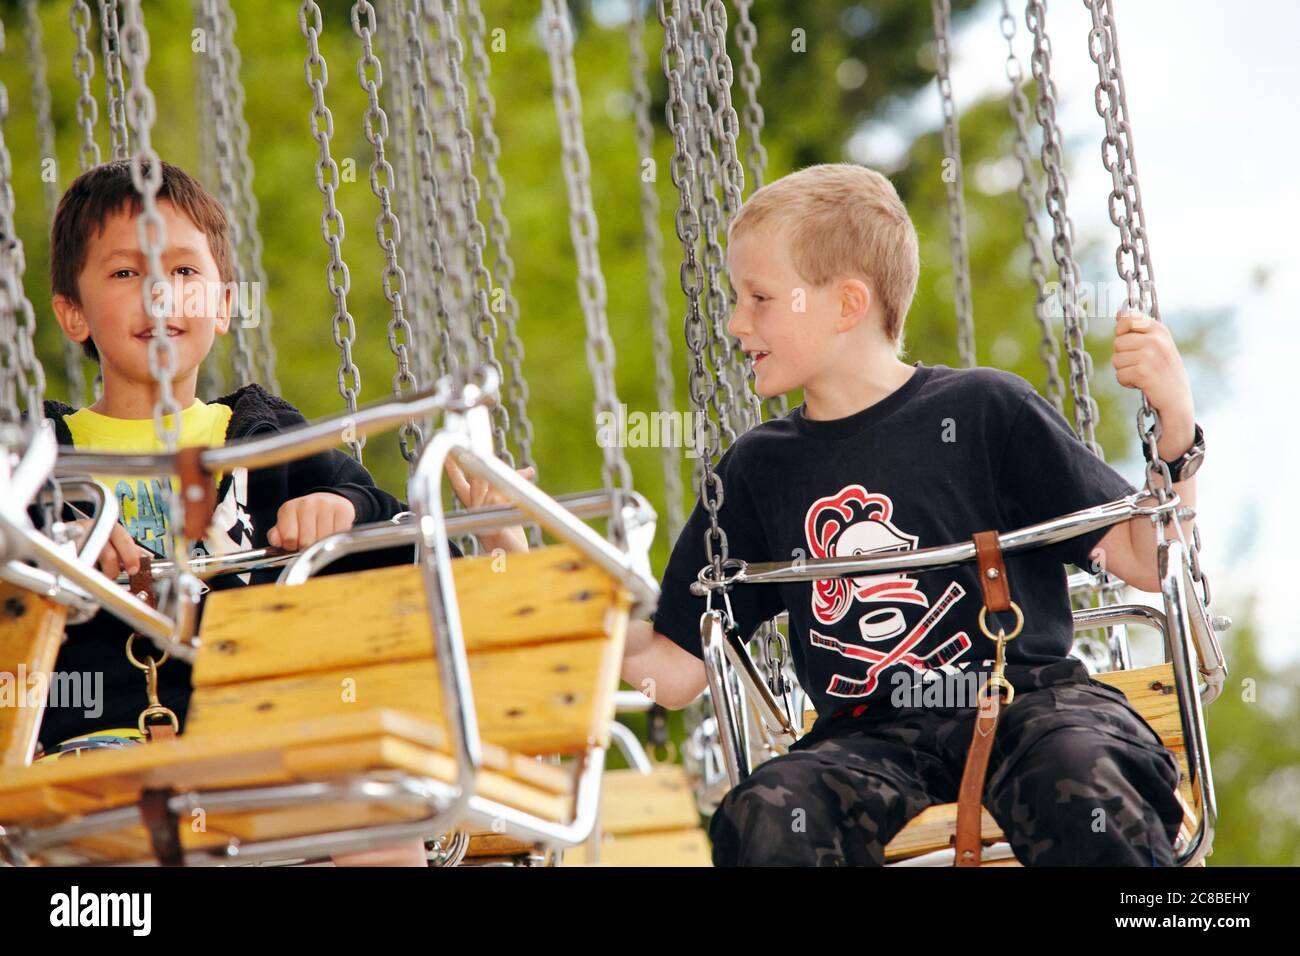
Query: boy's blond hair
(843, 221)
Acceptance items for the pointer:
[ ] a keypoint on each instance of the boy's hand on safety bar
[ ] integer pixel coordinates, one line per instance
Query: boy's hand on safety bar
(479, 494)
(302, 522)
(120, 553)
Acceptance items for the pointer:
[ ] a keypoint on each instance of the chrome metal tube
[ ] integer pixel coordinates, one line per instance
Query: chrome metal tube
(288, 445)
(730, 721)
(1181, 650)
(942, 556)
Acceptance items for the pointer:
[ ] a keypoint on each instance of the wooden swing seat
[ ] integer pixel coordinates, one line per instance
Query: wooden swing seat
(1148, 689)
(336, 677)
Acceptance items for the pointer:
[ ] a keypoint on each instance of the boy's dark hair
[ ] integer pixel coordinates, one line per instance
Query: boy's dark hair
(103, 191)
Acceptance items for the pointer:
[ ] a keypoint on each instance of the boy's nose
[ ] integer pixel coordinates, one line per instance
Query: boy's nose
(736, 324)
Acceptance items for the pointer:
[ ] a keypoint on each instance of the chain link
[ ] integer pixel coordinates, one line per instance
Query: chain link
(247, 208)
(483, 325)
(700, 383)
(1028, 190)
(953, 183)
(665, 390)
(776, 406)
(220, 100)
(498, 230)
(447, 168)
(332, 228)
(114, 100)
(37, 69)
(19, 367)
(388, 228)
(147, 176)
(700, 119)
(80, 19)
(583, 228)
(1076, 323)
(433, 238)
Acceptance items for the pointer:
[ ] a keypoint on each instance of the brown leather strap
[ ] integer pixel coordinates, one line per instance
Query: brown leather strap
(141, 583)
(198, 493)
(163, 826)
(970, 797)
(160, 731)
(993, 573)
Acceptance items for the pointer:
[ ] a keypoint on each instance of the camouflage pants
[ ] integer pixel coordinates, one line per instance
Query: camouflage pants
(1076, 778)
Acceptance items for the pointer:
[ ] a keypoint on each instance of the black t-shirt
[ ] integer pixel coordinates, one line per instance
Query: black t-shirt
(949, 453)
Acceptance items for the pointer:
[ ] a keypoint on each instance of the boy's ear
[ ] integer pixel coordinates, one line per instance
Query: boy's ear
(856, 301)
(223, 312)
(71, 319)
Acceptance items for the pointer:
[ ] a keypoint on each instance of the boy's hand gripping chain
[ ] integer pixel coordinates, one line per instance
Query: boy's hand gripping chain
(997, 597)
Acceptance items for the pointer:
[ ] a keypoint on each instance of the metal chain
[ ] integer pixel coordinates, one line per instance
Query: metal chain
(220, 101)
(583, 228)
(22, 371)
(498, 231)
(432, 222)
(750, 81)
(700, 383)
(1076, 323)
(247, 208)
(80, 19)
(388, 228)
(212, 373)
(110, 38)
(483, 324)
(1133, 255)
(447, 168)
(700, 119)
(147, 176)
(953, 183)
(720, 77)
(38, 71)
(1028, 191)
(332, 228)
(665, 389)
(776, 406)
(412, 252)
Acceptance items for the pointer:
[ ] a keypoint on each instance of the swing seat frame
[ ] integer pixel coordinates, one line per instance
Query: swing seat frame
(343, 712)
(751, 720)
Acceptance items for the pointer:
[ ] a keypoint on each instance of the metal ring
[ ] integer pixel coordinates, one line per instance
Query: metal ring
(130, 656)
(1020, 623)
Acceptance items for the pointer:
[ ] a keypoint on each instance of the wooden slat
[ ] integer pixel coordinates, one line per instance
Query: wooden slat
(669, 848)
(932, 828)
(31, 630)
(369, 617)
(635, 802)
(284, 753)
(536, 699)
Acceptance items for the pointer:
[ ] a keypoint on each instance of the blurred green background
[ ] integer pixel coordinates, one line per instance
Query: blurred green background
(861, 61)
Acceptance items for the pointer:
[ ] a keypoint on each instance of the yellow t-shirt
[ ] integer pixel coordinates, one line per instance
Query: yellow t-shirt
(143, 510)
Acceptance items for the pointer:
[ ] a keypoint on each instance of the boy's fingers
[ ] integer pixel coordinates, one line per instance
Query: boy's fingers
(287, 523)
(125, 551)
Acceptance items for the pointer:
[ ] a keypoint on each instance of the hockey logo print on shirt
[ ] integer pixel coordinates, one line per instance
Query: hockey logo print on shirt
(853, 523)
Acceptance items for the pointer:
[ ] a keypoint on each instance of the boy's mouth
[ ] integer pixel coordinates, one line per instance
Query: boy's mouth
(172, 332)
(755, 356)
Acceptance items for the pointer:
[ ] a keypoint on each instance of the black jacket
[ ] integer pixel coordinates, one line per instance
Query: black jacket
(93, 657)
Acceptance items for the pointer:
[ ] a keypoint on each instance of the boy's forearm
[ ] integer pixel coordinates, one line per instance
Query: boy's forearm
(660, 669)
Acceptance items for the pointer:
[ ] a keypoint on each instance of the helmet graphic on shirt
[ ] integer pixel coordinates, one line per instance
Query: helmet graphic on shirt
(853, 523)
(856, 522)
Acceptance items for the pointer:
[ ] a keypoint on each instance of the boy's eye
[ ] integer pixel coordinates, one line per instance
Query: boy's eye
(189, 270)
(122, 273)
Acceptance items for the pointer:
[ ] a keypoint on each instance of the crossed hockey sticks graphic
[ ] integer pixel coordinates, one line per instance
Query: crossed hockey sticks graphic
(842, 686)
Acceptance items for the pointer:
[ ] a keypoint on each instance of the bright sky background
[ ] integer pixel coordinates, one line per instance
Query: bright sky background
(1212, 100)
